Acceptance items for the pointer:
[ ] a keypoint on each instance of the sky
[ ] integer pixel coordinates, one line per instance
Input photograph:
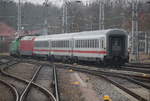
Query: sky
(57, 2)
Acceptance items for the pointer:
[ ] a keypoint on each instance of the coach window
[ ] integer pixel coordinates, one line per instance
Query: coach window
(62, 44)
(65, 44)
(56, 44)
(68, 44)
(102, 45)
(83, 44)
(76, 43)
(80, 43)
(88, 43)
(91, 43)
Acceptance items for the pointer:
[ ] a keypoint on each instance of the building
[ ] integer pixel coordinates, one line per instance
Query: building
(7, 34)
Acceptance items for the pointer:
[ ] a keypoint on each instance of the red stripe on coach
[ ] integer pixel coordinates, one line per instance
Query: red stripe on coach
(74, 51)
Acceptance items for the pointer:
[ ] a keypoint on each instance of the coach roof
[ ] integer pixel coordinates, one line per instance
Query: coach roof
(85, 34)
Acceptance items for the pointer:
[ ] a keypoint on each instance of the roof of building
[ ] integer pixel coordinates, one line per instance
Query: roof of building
(6, 30)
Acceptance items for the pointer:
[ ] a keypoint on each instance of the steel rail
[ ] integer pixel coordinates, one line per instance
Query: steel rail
(25, 92)
(112, 73)
(111, 81)
(130, 68)
(14, 91)
(145, 64)
(127, 77)
(44, 90)
(55, 83)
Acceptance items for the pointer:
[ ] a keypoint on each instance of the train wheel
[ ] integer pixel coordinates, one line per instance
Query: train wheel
(64, 60)
(98, 61)
(52, 58)
(75, 60)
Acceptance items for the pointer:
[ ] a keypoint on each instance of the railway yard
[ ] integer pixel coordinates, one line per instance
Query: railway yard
(28, 79)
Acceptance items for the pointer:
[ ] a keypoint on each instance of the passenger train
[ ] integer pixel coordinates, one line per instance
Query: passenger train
(102, 46)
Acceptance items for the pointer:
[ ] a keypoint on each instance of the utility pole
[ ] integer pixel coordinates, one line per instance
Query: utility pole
(65, 15)
(101, 15)
(19, 18)
(134, 36)
(63, 20)
(46, 17)
(66, 19)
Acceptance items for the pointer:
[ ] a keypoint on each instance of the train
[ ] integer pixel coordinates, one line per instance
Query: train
(108, 47)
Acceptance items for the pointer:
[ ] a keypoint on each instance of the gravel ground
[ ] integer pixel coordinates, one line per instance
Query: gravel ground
(26, 71)
(5, 92)
(68, 92)
(18, 85)
(103, 87)
(45, 77)
(73, 86)
(4, 60)
(133, 87)
(36, 95)
(23, 70)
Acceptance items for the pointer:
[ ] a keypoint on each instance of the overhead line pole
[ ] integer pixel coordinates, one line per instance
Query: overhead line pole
(19, 19)
(63, 19)
(46, 17)
(134, 49)
(101, 15)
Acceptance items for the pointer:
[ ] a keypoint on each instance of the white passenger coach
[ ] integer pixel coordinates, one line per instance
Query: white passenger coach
(107, 46)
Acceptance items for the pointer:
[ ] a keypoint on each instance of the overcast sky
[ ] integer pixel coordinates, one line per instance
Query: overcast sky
(57, 2)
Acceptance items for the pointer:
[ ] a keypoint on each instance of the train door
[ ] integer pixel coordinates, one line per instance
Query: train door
(117, 45)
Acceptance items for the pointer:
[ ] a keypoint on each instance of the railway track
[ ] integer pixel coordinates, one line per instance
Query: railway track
(137, 68)
(5, 59)
(30, 84)
(13, 90)
(106, 75)
(136, 79)
(55, 84)
(146, 65)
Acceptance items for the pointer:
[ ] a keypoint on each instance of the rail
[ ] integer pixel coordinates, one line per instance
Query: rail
(44, 90)
(14, 91)
(103, 75)
(55, 83)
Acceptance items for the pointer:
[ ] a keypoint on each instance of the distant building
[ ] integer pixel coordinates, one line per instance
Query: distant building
(6, 32)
